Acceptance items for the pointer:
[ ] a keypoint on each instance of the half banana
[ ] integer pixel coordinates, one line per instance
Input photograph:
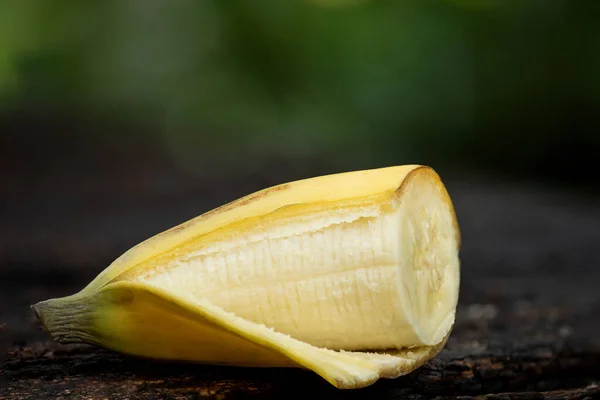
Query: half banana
(354, 276)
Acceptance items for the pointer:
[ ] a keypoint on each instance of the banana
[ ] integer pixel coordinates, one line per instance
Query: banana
(354, 276)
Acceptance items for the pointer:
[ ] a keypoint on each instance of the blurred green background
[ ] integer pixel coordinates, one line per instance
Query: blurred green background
(493, 86)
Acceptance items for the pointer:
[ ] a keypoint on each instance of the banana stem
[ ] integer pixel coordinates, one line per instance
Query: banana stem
(66, 319)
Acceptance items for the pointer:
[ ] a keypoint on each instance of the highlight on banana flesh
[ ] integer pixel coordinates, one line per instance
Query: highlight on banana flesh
(354, 276)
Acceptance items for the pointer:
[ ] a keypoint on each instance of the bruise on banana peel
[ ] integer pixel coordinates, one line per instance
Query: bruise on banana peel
(354, 276)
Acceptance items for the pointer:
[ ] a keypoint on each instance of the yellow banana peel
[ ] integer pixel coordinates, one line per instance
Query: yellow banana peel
(354, 276)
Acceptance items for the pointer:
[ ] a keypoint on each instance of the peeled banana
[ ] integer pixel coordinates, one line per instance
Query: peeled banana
(354, 276)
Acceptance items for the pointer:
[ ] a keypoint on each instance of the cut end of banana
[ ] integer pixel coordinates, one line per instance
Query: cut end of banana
(354, 276)
(428, 257)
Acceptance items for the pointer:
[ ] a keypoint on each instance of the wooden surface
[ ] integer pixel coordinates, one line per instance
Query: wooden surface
(528, 324)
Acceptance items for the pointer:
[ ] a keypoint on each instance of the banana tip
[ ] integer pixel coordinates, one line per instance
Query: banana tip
(36, 310)
(47, 313)
(39, 313)
(66, 319)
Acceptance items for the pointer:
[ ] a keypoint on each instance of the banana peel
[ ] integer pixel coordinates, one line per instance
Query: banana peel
(354, 276)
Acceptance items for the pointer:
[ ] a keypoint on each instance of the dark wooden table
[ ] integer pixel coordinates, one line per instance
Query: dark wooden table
(528, 324)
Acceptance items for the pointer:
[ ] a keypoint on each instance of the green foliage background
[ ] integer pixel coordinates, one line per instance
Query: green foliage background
(478, 84)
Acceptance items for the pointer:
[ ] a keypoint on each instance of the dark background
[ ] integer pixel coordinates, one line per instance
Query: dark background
(119, 119)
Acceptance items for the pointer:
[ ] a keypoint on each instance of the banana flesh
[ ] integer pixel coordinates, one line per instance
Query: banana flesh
(354, 276)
